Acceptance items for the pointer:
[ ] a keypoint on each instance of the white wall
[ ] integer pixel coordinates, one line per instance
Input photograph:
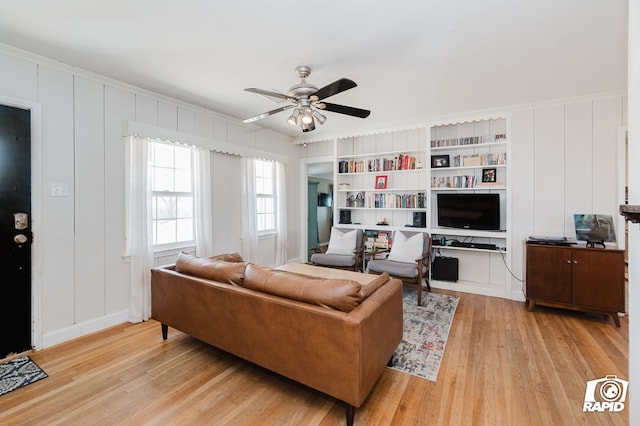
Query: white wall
(564, 160)
(83, 276)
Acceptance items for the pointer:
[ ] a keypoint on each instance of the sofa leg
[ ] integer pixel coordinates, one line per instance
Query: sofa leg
(351, 412)
(165, 331)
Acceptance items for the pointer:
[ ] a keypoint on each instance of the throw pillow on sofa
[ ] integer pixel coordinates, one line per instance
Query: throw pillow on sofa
(216, 268)
(343, 295)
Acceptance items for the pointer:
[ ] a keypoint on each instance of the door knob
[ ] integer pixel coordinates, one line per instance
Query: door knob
(20, 239)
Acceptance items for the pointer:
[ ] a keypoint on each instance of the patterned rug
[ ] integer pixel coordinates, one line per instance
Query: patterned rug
(426, 329)
(19, 373)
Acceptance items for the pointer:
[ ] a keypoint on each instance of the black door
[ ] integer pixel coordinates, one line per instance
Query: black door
(15, 230)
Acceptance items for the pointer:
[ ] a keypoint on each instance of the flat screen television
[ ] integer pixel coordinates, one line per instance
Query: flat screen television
(469, 211)
(324, 199)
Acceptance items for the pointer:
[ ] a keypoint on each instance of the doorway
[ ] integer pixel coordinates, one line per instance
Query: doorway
(15, 229)
(318, 214)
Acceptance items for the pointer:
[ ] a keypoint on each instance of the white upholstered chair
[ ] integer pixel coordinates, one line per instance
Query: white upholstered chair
(344, 250)
(409, 259)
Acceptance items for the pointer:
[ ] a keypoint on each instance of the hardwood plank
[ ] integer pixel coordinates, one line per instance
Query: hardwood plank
(502, 365)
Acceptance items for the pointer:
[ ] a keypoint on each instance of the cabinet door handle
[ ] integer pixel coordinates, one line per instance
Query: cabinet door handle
(575, 261)
(568, 261)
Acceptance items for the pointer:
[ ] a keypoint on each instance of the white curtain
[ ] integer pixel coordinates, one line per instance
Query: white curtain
(248, 211)
(139, 228)
(281, 215)
(203, 206)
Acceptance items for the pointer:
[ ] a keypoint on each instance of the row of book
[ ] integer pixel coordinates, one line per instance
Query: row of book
(486, 159)
(377, 240)
(395, 201)
(399, 162)
(454, 182)
(471, 140)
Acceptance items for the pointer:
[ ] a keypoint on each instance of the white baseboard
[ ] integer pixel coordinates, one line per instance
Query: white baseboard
(56, 337)
(518, 296)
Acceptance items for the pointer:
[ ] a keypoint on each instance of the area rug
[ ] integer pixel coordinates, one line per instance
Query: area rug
(19, 373)
(426, 329)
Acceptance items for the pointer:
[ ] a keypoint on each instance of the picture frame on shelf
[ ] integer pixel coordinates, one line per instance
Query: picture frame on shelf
(489, 175)
(381, 182)
(438, 161)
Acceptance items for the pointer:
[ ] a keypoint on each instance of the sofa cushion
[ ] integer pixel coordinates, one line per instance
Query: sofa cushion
(228, 257)
(216, 268)
(343, 295)
(367, 290)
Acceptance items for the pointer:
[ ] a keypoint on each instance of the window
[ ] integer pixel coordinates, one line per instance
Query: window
(170, 171)
(265, 197)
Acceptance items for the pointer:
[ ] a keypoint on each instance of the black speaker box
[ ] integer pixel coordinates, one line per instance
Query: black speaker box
(419, 219)
(444, 269)
(345, 216)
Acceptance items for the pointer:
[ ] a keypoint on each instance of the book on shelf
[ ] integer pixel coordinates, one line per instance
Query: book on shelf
(486, 159)
(395, 201)
(465, 181)
(399, 162)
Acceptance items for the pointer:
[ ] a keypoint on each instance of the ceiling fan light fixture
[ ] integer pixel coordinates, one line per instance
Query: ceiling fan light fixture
(308, 127)
(293, 118)
(308, 102)
(319, 117)
(307, 117)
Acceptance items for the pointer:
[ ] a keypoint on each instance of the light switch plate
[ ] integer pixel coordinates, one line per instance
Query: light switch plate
(59, 190)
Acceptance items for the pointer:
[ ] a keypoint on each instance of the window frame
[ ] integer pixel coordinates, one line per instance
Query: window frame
(266, 196)
(174, 245)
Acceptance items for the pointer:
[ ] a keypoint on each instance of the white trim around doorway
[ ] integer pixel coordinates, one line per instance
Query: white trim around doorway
(304, 162)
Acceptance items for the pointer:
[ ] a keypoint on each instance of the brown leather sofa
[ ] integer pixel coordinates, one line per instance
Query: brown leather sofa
(334, 336)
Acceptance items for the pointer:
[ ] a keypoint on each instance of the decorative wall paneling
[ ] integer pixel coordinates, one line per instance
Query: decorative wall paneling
(55, 94)
(83, 276)
(119, 106)
(522, 202)
(89, 205)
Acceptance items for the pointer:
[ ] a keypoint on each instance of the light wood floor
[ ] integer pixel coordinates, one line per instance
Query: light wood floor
(502, 366)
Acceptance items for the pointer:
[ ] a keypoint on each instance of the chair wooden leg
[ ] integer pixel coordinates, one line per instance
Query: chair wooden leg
(419, 282)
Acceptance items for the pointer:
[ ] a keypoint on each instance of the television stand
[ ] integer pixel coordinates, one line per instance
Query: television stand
(577, 278)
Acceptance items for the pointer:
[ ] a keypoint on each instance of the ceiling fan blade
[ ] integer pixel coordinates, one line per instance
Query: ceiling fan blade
(342, 109)
(335, 88)
(269, 93)
(268, 113)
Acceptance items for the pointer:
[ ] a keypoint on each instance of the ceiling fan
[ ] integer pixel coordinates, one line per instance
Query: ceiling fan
(307, 101)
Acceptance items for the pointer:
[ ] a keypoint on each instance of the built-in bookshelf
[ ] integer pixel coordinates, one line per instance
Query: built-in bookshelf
(391, 181)
(471, 158)
(381, 189)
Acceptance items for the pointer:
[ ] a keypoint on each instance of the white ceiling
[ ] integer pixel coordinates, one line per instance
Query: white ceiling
(412, 59)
